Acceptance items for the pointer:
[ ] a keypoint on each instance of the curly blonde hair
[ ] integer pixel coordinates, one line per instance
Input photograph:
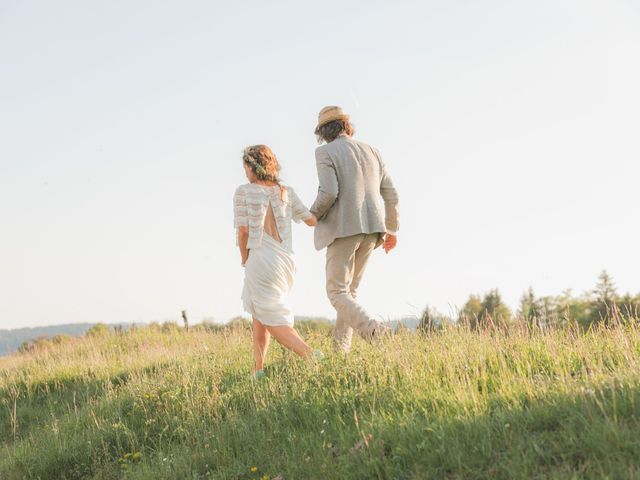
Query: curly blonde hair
(263, 164)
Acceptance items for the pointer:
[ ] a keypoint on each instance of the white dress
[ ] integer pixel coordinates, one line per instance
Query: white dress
(270, 268)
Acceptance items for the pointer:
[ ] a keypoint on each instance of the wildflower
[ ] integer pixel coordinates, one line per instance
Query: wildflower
(254, 469)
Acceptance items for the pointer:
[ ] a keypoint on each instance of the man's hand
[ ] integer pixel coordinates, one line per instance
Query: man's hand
(390, 241)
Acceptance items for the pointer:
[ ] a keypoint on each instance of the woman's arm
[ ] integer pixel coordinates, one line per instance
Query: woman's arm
(299, 212)
(241, 222)
(243, 238)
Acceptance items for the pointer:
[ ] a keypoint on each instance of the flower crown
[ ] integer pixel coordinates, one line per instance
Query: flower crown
(259, 169)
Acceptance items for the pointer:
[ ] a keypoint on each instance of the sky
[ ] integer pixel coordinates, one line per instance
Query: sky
(510, 129)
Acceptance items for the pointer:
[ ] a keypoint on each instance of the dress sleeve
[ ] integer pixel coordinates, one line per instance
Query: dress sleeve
(299, 212)
(240, 214)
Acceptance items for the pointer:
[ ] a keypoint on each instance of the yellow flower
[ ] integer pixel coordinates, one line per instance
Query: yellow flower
(254, 469)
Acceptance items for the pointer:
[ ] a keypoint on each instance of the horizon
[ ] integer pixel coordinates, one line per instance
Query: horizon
(452, 316)
(509, 129)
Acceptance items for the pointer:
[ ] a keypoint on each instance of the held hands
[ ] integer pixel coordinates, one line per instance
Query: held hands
(312, 221)
(390, 241)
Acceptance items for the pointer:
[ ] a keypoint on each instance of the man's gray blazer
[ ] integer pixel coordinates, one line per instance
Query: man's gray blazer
(355, 195)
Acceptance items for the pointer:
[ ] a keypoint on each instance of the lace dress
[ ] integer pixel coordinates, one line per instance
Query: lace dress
(270, 268)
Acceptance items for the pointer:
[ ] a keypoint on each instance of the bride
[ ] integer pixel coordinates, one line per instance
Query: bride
(263, 210)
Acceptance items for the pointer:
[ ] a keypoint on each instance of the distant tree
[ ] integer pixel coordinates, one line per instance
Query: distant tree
(531, 310)
(208, 325)
(39, 343)
(605, 302)
(25, 347)
(629, 307)
(239, 323)
(548, 308)
(431, 320)
(493, 309)
(605, 290)
(571, 309)
(170, 327)
(97, 330)
(470, 312)
(62, 338)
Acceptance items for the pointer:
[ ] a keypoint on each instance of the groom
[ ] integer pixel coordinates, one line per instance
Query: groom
(354, 186)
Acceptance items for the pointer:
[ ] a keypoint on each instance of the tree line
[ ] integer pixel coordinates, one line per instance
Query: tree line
(602, 305)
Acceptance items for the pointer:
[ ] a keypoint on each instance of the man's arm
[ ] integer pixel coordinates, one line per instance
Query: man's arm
(328, 184)
(391, 211)
(390, 197)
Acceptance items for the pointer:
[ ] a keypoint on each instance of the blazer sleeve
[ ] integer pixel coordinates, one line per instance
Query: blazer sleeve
(328, 184)
(390, 198)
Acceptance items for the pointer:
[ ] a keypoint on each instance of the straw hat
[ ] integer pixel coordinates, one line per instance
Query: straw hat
(329, 114)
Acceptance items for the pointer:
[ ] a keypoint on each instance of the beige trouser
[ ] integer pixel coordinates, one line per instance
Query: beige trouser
(346, 261)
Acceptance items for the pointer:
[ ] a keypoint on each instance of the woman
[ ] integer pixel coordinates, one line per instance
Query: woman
(263, 210)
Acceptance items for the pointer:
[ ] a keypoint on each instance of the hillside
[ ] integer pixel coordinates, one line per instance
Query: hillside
(149, 403)
(11, 339)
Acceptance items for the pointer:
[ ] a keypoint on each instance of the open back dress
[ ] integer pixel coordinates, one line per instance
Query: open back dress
(270, 268)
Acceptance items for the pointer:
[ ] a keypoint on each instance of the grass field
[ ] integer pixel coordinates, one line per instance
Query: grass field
(456, 404)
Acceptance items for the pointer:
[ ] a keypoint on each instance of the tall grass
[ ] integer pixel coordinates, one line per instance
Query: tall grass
(455, 404)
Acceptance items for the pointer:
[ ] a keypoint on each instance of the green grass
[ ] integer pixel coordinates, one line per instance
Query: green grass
(457, 404)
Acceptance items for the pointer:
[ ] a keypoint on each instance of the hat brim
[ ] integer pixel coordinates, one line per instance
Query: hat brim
(331, 118)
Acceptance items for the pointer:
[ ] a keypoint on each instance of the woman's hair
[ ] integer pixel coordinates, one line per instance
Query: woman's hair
(263, 164)
(330, 131)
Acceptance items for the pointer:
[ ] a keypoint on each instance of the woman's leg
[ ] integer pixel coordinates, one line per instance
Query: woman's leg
(260, 344)
(289, 337)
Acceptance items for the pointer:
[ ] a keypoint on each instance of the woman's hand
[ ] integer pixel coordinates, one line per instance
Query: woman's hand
(312, 221)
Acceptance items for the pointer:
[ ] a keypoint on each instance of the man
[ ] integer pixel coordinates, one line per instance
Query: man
(357, 211)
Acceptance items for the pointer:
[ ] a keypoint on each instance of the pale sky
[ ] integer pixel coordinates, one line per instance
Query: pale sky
(510, 128)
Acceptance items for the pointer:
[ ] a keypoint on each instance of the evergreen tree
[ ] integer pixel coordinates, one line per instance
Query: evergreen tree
(605, 303)
(572, 309)
(530, 308)
(492, 309)
(605, 290)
